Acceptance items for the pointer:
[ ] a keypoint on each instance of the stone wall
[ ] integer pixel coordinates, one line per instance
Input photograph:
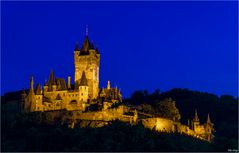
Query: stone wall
(159, 124)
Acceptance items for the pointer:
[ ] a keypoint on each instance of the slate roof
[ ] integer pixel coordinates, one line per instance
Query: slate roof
(38, 89)
(58, 97)
(61, 84)
(83, 81)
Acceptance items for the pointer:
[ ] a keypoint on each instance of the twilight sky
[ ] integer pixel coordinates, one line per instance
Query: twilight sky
(143, 45)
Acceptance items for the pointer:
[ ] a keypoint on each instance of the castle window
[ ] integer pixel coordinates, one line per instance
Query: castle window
(85, 87)
(81, 94)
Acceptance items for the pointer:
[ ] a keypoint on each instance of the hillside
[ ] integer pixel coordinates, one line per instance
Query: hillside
(25, 134)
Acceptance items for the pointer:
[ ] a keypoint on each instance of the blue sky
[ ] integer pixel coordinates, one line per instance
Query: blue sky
(143, 45)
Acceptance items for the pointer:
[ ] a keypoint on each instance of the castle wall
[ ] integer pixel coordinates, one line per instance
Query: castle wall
(159, 124)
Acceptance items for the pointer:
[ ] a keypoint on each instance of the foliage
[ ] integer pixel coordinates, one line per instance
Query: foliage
(118, 136)
(167, 109)
(33, 132)
(223, 111)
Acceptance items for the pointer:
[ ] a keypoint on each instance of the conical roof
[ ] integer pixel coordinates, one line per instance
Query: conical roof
(38, 89)
(86, 45)
(83, 81)
(196, 116)
(58, 97)
(77, 47)
(208, 119)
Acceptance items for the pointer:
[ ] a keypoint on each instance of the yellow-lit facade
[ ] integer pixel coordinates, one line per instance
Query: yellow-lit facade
(85, 92)
(56, 94)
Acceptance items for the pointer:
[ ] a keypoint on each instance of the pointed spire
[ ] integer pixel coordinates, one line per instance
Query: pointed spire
(77, 46)
(31, 83)
(38, 89)
(83, 81)
(92, 45)
(86, 45)
(208, 118)
(51, 80)
(31, 91)
(97, 50)
(196, 116)
(58, 97)
(52, 76)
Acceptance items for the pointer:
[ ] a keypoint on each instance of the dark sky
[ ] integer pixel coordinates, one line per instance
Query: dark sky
(143, 45)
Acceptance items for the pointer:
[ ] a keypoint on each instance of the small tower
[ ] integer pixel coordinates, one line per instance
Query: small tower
(209, 129)
(31, 85)
(195, 122)
(51, 81)
(83, 89)
(38, 89)
(30, 102)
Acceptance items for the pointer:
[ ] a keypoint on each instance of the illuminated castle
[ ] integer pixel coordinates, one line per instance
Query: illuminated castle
(79, 99)
(56, 94)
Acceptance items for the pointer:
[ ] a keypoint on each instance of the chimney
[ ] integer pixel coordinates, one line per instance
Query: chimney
(69, 82)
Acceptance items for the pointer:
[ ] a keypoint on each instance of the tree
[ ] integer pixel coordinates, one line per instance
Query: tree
(167, 108)
(146, 108)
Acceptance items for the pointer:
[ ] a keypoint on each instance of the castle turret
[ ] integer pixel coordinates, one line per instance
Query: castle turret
(208, 119)
(195, 122)
(31, 85)
(30, 102)
(83, 88)
(209, 129)
(51, 81)
(77, 47)
(38, 89)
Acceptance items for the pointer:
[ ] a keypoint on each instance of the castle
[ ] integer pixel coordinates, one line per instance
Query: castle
(81, 97)
(57, 94)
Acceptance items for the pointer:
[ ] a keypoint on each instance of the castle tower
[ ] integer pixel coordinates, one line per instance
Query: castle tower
(51, 81)
(195, 122)
(30, 103)
(83, 88)
(209, 129)
(87, 59)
